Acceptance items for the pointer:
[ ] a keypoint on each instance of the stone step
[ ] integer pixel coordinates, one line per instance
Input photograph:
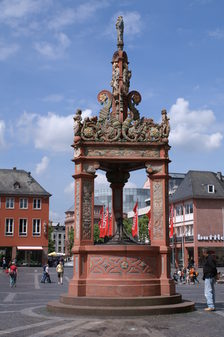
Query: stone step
(121, 301)
(58, 307)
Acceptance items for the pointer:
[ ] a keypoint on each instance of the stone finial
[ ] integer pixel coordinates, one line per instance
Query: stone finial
(120, 32)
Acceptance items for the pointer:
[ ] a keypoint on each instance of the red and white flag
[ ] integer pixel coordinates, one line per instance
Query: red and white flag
(171, 222)
(101, 223)
(106, 223)
(149, 223)
(110, 232)
(135, 220)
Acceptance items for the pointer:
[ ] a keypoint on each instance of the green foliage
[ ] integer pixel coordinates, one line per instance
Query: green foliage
(51, 247)
(127, 225)
(143, 228)
(96, 234)
(70, 240)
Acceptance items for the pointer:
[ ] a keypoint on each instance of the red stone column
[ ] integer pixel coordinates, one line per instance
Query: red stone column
(83, 226)
(159, 178)
(117, 180)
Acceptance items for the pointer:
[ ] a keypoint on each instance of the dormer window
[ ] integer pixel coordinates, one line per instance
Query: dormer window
(211, 189)
(16, 185)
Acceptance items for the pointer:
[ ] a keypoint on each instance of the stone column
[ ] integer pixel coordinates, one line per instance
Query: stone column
(117, 179)
(158, 175)
(83, 222)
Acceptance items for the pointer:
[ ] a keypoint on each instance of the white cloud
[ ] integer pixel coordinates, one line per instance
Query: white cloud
(54, 98)
(54, 132)
(53, 51)
(7, 50)
(42, 166)
(130, 184)
(51, 132)
(217, 34)
(101, 180)
(18, 8)
(69, 189)
(193, 129)
(2, 134)
(80, 14)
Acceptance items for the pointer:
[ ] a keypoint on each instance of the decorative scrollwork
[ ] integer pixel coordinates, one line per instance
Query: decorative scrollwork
(105, 98)
(89, 128)
(134, 98)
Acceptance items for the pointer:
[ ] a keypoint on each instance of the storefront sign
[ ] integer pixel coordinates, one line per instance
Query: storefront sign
(215, 237)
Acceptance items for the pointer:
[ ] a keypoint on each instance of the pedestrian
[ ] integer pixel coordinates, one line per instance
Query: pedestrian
(60, 271)
(48, 279)
(13, 272)
(46, 275)
(209, 276)
(4, 263)
(195, 277)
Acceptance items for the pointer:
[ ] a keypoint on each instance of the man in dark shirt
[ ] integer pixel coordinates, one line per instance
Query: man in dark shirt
(209, 276)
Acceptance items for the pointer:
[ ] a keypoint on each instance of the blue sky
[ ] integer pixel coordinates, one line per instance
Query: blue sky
(55, 57)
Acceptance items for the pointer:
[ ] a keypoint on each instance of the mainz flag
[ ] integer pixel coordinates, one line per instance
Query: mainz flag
(149, 223)
(106, 223)
(135, 220)
(101, 223)
(171, 222)
(110, 226)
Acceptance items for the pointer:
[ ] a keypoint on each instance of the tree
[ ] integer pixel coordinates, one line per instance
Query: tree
(51, 247)
(70, 240)
(143, 228)
(96, 234)
(127, 226)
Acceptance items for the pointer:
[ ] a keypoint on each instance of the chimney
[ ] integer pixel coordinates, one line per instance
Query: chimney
(14, 168)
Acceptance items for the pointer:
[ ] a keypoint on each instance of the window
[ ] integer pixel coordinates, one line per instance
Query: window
(36, 227)
(23, 203)
(179, 210)
(189, 208)
(9, 227)
(211, 189)
(37, 203)
(59, 249)
(59, 236)
(22, 227)
(9, 203)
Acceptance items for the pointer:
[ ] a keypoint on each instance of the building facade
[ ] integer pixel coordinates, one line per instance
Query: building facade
(58, 236)
(198, 217)
(130, 196)
(24, 218)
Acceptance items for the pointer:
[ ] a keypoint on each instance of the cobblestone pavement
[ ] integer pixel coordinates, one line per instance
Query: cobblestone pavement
(23, 313)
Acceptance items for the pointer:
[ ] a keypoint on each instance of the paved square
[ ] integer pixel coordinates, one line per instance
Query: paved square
(23, 313)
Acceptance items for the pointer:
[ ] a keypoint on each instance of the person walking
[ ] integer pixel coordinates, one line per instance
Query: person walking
(209, 276)
(4, 263)
(13, 271)
(60, 271)
(46, 275)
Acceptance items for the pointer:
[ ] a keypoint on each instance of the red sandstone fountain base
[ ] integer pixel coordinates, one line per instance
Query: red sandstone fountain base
(119, 280)
(123, 306)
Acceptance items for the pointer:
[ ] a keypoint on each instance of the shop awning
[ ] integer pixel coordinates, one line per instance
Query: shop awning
(29, 247)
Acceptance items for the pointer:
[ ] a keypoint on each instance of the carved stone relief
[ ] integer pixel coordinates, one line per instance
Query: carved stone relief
(120, 152)
(87, 209)
(157, 210)
(106, 265)
(77, 212)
